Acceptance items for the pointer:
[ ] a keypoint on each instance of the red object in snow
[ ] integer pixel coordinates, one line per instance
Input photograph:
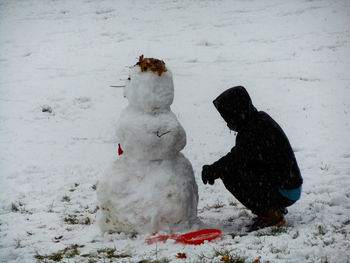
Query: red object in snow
(161, 238)
(198, 237)
(120, 150)
(193, 238)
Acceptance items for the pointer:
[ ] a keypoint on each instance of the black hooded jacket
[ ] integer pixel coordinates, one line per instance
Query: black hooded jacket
(262, 150)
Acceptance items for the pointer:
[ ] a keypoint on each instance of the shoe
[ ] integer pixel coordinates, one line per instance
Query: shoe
(273, 218)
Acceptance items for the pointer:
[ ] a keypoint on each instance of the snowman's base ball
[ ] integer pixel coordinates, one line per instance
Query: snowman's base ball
(148, 196)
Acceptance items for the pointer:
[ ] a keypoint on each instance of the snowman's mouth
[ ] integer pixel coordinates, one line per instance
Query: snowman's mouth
(161, 134)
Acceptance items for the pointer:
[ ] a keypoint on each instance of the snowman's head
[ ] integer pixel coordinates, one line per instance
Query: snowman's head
(150, 86)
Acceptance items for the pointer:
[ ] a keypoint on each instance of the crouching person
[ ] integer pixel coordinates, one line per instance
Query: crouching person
(260, 170)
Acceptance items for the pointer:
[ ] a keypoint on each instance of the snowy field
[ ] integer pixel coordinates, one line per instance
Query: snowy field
(58, 117)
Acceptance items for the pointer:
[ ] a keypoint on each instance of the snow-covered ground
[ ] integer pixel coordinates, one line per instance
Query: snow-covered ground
(292, 56)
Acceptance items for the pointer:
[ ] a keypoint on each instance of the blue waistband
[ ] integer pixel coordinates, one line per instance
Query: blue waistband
(291, 194)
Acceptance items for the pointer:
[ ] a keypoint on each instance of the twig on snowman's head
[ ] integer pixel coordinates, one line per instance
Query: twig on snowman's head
(117, 86)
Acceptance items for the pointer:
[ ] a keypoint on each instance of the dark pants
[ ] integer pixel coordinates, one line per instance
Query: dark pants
(256, 193)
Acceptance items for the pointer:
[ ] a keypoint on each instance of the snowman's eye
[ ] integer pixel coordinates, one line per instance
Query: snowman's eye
(129, 78)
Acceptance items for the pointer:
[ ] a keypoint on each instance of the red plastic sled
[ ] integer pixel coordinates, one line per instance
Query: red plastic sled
(193, 238)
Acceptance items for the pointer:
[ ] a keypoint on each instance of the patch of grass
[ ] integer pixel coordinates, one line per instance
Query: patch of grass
(19, 207)
(296, 235)
(87, 221)
(347, 222)
(233, 204)
(72, 252)
(231, 219)
(18, 243)
(227, 257)
(71, 219)
(50, 208)
(54, 256)
(276, 230)
(202, 257)
(218, 205)
(324, 167)
(272, 231)
(68, 252)
(321, 230)
(341, 229)
(14, 208)
(275, 250)
(163, 260)
(74, 187)
(94, 211)
(104, 253)
(257, 242)
(74, 220)
(110, 253)
(66, 198)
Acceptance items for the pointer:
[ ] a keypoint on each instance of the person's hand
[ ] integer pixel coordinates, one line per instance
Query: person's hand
(208, 175)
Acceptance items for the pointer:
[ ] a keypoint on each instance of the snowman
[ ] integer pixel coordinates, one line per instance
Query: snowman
(150, 187)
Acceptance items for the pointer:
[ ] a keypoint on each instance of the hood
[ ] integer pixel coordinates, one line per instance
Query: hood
(235, 107)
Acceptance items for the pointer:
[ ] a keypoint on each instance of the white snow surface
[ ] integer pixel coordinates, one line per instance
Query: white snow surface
(151, 186)
(61, 57)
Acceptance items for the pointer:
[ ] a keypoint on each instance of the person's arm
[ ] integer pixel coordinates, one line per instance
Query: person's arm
(219, 169)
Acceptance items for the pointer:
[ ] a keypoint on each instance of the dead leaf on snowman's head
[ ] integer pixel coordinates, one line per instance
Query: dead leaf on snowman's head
(151, 64)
